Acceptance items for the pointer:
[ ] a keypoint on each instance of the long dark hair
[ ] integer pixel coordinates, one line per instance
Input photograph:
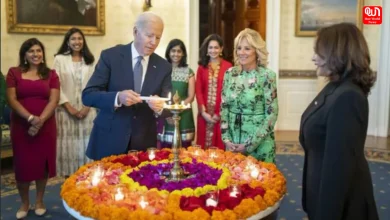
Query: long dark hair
(203, 58)
(173, 43)
(43, 70)
(346, 54)
(85, 52)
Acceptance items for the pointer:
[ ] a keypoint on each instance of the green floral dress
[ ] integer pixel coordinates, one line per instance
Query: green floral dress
(249, 110)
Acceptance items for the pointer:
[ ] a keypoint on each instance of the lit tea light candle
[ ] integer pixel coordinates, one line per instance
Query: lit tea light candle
(197, 150)
(212, 198)
(119, 195)
(233, 194)
(152, 155)
(143, 203)
(213, 155)
(249, 165)
(133, 153)
(97, 175)
(212, 151)
(234, 191)
(255, 173)
(211, 202)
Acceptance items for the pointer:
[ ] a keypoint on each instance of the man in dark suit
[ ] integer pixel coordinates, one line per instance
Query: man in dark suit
(122, 75)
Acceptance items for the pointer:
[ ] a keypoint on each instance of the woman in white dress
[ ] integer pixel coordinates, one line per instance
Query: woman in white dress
(74, 65)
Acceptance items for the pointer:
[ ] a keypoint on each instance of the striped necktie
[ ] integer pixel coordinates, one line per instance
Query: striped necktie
(138, 71)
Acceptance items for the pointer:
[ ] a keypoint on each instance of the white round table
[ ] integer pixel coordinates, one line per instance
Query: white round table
(259, 215)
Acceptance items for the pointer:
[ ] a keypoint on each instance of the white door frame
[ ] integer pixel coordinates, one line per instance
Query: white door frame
(379, 98)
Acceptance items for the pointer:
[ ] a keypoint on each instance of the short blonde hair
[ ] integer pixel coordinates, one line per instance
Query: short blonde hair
(256, 41)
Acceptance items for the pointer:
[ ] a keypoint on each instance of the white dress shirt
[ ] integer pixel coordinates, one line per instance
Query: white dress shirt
(144, 63)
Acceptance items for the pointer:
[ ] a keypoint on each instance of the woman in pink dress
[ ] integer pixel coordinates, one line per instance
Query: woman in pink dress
(33, 94)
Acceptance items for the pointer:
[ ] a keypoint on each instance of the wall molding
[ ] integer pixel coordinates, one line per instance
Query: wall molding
(299, 74)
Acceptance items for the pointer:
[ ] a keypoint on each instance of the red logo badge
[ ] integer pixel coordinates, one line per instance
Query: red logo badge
(372, 15)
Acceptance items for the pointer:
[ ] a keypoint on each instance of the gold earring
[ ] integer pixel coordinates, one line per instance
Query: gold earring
(43, 61)
(25, 61)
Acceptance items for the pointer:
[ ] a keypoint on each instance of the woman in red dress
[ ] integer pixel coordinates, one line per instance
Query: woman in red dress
(33, 94)
(209, 78)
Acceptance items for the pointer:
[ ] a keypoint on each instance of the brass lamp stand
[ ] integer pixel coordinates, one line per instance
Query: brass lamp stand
(177, 172)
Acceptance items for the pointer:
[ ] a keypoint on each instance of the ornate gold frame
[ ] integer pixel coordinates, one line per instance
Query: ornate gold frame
(14, 27)
(301, 33)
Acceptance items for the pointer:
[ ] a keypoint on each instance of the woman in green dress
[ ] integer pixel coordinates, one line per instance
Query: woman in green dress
(183, 82)
(249, 107)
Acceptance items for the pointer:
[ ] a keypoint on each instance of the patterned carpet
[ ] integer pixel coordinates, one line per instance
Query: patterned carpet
(289, 160)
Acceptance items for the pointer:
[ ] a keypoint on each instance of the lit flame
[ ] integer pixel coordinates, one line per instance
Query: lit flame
(255, 173)
(143, 203)
(97, 175)
(152, 155)
(169, 98)
(234, 192)
(119, 195)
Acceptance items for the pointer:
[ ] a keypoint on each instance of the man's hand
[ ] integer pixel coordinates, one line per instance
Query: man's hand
(83, 112)
(129, 98)
(32, 131)
(156, 105)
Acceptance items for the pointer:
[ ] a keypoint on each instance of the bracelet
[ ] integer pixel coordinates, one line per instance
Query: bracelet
(30, 118)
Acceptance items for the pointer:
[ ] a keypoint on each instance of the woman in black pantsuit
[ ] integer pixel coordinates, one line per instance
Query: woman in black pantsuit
(336, 178)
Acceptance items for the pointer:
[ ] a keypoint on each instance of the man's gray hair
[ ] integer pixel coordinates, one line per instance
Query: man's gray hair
(146, 17)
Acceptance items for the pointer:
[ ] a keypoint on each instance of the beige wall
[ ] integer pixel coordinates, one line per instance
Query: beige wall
(296, 52)
(120, 17)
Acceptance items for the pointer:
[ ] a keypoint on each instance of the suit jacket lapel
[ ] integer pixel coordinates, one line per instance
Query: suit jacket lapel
(318, 102)
(69, 62)
(150, 77)
(127, 65)
(85, 73)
